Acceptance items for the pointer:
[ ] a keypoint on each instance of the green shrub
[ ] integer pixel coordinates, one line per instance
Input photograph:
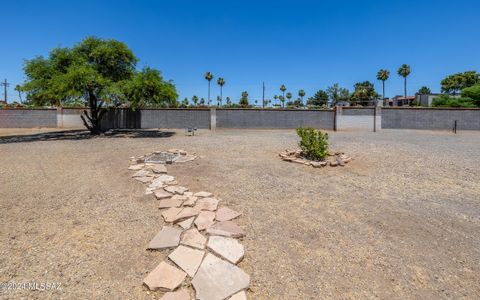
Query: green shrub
(472, 92)
(448, 101)
(313, 143)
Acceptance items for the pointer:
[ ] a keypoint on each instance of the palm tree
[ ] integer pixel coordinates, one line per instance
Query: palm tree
(404, 71)
(282, 100)
(195, 100)
(301, 93)
(221, 82)
(289, 96)
(208, 77)
(275, 97)
(283, 89)
(383, 75)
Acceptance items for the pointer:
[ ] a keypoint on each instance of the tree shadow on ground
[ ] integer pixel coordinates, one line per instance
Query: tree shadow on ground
(84, 134)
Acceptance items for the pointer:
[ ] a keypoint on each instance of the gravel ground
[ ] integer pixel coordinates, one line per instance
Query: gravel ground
(400, 221)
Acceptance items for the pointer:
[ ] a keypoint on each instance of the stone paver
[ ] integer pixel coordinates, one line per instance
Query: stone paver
(168, 237)
(193, 238)
(226, 214)
(238, 296)
(170, 214)
(226, 228)
(144, 179)
(178, 295)
(191, 200)
(203, 194)
(204, 220)
(187, 259)
(161, 180)
(165, 277)
(217, 279)
(162, 194)
(187, 223)
(176, 189)
(207, 204)
(166, 203)
(228, 248)
(142, 173)
(136, 167)
(186, 212)
(157, 168)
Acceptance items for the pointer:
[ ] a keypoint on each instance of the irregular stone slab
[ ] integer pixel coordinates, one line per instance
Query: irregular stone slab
(318, 164)
(178, 295)
(184, 158)
(203, 194)
(162, 194)
(207, 204)
(187, 223)
(170, 214)
(194, 239)
(174, 182)
(190, 201)
(226, 214)
(187, 259)
(238, 296)
(176, 189)
(205, 219)
(189, 194)
(166, 203)
(217, 279)
(168, 237)
(136, 167)
(161, 180)
(180, 197)
(144, 179)
(165, 277)
(186, 212)
(142, 173)
(226, 228)
(157, 168)
(228, 248)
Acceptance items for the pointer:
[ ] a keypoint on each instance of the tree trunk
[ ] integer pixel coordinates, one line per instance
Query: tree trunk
(209, 93)
(405, 87)
(92, 121)
(221, 95)
(383, 92)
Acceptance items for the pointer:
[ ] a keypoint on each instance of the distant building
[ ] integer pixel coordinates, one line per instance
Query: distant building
(399, 101)
(3, 102)
(427, 99)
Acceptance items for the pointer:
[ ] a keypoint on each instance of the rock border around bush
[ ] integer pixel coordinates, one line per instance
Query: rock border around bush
(334, 159)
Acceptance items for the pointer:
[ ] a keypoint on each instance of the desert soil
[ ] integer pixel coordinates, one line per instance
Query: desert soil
(402, 220)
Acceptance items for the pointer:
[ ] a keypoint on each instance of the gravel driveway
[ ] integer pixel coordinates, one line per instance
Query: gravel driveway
(399, 221)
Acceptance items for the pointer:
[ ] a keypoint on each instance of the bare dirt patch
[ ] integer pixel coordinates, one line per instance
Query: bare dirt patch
(402, 221)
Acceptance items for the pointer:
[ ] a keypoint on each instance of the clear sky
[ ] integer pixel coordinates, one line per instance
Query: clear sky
(303, 44)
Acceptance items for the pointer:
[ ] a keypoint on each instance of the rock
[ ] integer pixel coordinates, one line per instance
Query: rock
(157, 168)
(226, 214)
(187, 259)
(142, 173)
(190, 201)
(238, 296)
(161, 194)
(178, 295)
(203, 194)
(340, 162)
(176, 189)
(347, 159)
(226, 228)
(207, 204)
(174, 182)
(286, 158)
(228, 248)
(217, 279)
(168, 237)
(136, 167)
(186, 212)
(180, 197)
(194, 239)
(187, 223)
(165, 277)
(333, 163)
(205, 220)
(170, 214)
(189, 194)
(161, 180)
(318, 164)
(144, 179)
(166, 203)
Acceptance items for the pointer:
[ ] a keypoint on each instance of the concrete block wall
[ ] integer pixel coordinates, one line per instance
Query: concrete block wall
(353, 118)
(175, 118)
(28, 118)
(431, 118)
(69, 118)
(271, 118)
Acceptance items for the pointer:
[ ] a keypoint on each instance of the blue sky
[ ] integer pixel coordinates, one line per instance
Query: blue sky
(303, 44)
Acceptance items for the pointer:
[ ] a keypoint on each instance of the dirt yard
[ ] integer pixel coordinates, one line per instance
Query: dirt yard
(400, 221)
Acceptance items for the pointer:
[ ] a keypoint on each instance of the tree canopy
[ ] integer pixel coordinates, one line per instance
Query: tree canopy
(337, 93)
(97, 72)
(424, 90)
(454, 83)
(320, 98)
(364, 91)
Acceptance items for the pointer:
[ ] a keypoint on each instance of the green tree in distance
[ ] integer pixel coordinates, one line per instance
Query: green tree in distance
(383, 76)
(221, 83)
(301, 94)
(289, 96)
(337, 93)
(363, 92)
(195, 100)
(244, 99)
(283, 88)
(404, 71)
(454, 83)
(320, 98)
(424, 90)
(98, 72)
(208, 77)
(282, 100)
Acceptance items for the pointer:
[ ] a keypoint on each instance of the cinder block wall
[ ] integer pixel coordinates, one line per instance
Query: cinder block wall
(270, 118)
(28, 118)
(354, 118)
(175, 118)
(430, 118)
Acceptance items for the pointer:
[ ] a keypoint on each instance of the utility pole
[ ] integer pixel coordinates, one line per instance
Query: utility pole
(263, 94)
(5, 86)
